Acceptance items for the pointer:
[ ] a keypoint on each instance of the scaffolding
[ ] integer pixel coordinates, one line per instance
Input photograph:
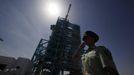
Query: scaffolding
(55, 57)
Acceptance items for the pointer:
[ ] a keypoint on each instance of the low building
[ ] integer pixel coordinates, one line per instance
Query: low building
(12, 66)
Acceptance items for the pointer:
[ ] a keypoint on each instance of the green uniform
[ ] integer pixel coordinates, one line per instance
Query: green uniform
(95, 60)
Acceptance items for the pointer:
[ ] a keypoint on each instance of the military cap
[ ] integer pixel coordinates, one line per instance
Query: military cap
(91, 34)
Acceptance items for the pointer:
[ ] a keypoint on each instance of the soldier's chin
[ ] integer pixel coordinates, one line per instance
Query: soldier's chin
(86, 43)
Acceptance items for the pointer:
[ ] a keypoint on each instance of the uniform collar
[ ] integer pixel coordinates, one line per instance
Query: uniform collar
(91, 49)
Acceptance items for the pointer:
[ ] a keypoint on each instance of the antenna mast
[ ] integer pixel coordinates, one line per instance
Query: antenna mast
(68, 11)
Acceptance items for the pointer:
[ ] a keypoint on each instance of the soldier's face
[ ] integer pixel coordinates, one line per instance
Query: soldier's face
(89, 40)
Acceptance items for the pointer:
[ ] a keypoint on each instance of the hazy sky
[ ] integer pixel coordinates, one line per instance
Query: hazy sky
(23, 23)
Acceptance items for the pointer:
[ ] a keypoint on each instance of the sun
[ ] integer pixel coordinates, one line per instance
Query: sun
(53, 9)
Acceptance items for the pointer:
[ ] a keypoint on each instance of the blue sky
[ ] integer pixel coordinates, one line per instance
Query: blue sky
(23, 24)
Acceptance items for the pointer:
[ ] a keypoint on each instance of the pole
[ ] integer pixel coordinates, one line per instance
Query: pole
(68, 11)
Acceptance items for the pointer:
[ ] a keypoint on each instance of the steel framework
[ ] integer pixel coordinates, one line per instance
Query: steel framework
(55, 57)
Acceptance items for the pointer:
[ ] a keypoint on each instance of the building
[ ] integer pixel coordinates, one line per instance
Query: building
(12, 66)
(55, 57)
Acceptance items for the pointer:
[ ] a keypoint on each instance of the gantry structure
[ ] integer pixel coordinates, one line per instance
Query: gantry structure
(54, 56)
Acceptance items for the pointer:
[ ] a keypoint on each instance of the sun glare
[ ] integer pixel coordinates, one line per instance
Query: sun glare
(53, 9)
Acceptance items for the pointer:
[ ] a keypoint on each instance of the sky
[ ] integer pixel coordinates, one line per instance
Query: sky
(24, 22)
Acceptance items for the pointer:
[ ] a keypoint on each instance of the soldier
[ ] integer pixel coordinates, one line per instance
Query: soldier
(96, 60)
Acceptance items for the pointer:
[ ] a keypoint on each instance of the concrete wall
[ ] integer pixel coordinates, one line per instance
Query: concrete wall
(20, 66)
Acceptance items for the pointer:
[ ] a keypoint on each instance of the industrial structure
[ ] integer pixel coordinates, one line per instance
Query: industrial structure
(53, 56)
